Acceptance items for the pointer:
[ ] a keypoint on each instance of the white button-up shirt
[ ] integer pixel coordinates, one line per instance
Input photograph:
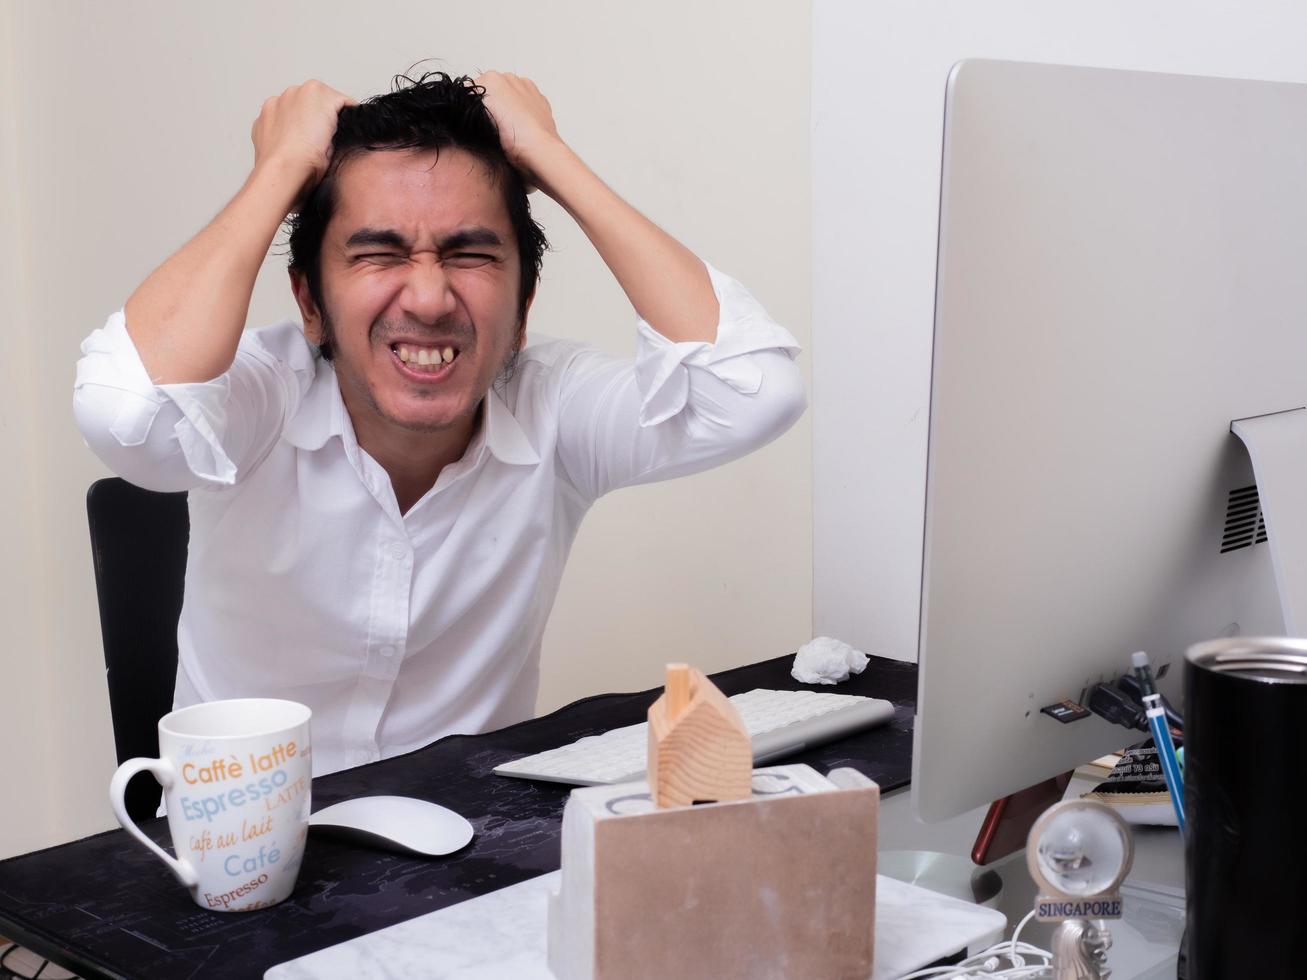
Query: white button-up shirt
(303, 579)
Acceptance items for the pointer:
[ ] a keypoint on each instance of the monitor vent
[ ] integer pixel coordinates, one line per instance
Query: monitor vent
(1245, 525)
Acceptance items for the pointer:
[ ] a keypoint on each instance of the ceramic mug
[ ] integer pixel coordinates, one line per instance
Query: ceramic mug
(236, 780)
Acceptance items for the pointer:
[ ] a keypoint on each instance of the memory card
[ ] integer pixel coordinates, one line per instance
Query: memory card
(1066, 711)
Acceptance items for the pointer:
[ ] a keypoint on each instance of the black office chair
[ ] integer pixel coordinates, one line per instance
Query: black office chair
(138, 542)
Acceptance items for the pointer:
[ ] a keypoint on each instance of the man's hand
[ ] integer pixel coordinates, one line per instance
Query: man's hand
(294, 131)
(186, 318)
(668, 286)
(524, 118)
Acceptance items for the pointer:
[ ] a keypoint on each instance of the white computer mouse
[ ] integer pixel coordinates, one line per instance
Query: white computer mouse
(398, 823)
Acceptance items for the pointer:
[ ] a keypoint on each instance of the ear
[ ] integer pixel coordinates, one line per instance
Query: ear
(312, 316)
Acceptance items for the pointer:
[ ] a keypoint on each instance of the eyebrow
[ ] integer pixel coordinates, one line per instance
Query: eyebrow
(389, 238)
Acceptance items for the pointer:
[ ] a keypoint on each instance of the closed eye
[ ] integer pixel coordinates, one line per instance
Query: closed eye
(465, 260)
(456, 260)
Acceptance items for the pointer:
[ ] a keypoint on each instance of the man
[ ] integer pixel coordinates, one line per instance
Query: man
(382, 501)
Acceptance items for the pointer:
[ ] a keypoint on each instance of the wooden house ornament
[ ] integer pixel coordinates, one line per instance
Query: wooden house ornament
(699, 749)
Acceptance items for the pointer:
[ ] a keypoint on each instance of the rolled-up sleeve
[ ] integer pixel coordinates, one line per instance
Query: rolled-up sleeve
(680, 407)
(188, 436)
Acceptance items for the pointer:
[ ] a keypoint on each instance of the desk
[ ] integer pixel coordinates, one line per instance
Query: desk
(105, 907)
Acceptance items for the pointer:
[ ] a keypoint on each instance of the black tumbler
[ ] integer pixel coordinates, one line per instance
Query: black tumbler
(1245, 761)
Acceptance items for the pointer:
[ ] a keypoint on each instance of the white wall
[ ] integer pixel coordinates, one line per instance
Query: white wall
(878, 96)
(126, 127)
(25, 730)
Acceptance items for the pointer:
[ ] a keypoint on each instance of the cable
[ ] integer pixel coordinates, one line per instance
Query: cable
(962, 971)
(1016, 933)
(984, 965)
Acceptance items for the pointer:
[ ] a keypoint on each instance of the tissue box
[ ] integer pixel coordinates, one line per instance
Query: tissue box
(780, 885)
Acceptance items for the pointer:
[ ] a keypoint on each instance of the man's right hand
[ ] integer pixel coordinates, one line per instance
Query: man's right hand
(186, 317)
(294, 131)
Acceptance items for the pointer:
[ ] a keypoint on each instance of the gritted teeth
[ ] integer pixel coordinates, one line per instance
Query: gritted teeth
(419, 357)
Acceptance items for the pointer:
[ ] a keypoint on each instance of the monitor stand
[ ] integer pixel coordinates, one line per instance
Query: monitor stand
(945, 874)
(1003, 831)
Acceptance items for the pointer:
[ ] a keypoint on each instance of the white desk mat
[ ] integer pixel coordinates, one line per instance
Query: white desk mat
(502, 934)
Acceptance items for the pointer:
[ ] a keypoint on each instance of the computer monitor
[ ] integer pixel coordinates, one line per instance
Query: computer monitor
(1122, 272)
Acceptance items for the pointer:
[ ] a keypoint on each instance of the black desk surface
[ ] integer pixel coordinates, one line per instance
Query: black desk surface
(106, 907)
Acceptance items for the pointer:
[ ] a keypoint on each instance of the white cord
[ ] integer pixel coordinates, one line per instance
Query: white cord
(961, 971)
(984, 966)
(967, 969)
(1016, 933)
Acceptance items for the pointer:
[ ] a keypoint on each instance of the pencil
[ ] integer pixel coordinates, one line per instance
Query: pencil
(1161, 734)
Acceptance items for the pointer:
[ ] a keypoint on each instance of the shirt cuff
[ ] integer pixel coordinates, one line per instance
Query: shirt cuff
(202, 426)
(662, 366)
(110, 360)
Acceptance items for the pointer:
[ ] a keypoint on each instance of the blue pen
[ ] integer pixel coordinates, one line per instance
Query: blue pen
(1161, 733)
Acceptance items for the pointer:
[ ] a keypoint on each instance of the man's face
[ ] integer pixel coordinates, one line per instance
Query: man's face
(418, 261)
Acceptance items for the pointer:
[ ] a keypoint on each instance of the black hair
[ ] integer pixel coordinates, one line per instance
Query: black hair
(431, 112)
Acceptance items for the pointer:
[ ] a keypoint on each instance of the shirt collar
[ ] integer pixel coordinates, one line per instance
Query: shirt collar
(504, 433)
(322, 414)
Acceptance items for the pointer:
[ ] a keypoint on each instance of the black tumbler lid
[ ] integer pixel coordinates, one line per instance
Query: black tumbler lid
(1269, 659)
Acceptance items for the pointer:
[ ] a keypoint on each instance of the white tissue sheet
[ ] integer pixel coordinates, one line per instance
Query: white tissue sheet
(826, 660)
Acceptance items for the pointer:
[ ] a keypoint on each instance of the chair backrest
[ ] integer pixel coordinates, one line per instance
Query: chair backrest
(138, 542)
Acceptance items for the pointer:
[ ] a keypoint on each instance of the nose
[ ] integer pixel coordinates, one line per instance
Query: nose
(428, 294)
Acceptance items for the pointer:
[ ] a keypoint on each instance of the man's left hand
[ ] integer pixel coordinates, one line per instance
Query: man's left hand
(524, 117)
(669, 287)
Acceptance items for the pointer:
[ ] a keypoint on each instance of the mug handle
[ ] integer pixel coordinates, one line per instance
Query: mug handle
(165, 774)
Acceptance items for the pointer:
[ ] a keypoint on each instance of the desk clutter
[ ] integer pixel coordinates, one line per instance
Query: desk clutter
(707, 869)
(106, 906)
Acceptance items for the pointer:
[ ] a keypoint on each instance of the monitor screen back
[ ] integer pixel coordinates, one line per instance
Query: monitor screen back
(1122, 272)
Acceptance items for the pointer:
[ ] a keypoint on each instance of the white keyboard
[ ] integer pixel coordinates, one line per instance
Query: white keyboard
(779, 723)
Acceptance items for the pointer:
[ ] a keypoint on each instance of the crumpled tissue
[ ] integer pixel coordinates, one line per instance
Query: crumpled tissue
(826, 660)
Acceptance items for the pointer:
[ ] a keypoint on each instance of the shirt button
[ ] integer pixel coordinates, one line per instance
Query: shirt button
(398, 551)
(387, 651)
